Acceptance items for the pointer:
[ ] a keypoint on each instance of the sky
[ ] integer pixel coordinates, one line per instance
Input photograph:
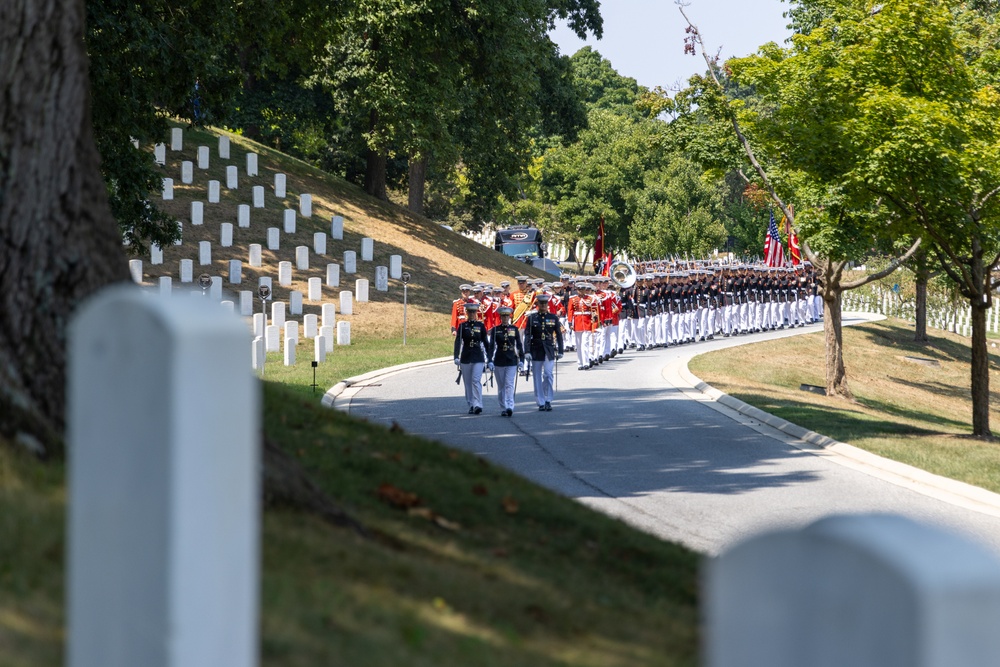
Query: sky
(644, 39)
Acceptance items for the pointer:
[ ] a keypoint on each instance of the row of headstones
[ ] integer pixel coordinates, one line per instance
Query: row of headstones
(214, 188)
(165, 489)
(959, 322)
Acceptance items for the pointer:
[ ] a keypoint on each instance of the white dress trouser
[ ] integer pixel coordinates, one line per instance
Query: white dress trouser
(472, 378)
(506, 378)
(543, 370)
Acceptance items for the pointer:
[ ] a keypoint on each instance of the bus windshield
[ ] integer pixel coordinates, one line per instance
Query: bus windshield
(523, 249)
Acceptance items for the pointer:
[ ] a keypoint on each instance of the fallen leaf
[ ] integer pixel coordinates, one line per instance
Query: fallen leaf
(537, 613)
(447, 525)
(453, 455)
(480, 490)
(510, 505)
(397, 457)
(397, 497)
(396, 428)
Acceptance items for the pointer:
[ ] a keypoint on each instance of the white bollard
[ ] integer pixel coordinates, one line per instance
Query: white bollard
(258, 196)
(155, 254)
(395, 266)
(187, 270)
(232, 178)
(168, 189)
(306, 206)
(343, 333)
(327, 334)
(315, 289)
(224, 148)
(289, 220)
(243, 215)
(346, 303)
(382, 278)
(285, 274)
(251, 164)
(292, 331)
(333, 275)
(164, 462)
(135, 270)
(319, 243)
(258, 353)
(329, 313)
(290, 351)
(350, 261)
(361, 290)
(176, 139)
(204, 253)
(256, 253)
(213, 192)
(246, 303)
(235, 271)
(273, 238)
(302, 258)
(160, 154)
(295, 302)
(279, 186)
(215, 291)
(203, 157)
(278, 313)
(187, 172)
(166, 286)
(272, 338)
(337, 228)
(197, 212)
(367, 249)
(310, 326)
(226, 235)
(891, 593)
(319, 349)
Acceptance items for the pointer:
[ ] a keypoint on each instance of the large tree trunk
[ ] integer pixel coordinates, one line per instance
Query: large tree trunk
(980, 372)
(60, 242)
(833, 330)
(922, 272)
(375, 167)
(571, 254)
(418, 178)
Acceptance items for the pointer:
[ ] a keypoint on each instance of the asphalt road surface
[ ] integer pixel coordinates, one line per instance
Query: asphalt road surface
(632, 439)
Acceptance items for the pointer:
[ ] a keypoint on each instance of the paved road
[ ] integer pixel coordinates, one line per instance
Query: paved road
(632, 439)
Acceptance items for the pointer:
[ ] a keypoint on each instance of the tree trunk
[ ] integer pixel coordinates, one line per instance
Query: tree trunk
(375, 166)
(418, 178)
(922, 274)
(836, 373)
(980, 372)
(60, 242)
(571, 255)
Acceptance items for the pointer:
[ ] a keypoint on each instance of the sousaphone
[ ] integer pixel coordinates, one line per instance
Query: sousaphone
(622, 274)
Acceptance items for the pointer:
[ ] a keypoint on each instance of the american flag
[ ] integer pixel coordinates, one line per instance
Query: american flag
(774, 254)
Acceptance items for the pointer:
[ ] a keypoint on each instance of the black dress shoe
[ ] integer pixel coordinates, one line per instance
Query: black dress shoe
(541, 408)
(547, 406)
(510, 413)
(477, 410)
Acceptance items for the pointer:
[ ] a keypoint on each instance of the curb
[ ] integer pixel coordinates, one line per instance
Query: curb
(330, 397)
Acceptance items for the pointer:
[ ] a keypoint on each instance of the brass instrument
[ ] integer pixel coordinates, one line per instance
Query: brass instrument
(527, 301)
(622, 274)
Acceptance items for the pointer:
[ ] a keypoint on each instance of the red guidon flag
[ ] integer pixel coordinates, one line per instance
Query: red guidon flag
(599, 246)
(793, 241)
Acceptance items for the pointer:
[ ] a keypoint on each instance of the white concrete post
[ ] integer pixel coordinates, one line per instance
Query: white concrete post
(279, 186)
(367, 249)
(226, 235)
(164, 482)
(203, 157)
(272, 338)
(176, 139)
(382, 278)
(290, 351)
(395, 266)
(187, 270)
(213, 192)
(166, 286)
(337, 228)
(278, 313)
(187, 172)
(215, 291)
(319, 349)
(258, 196)
(273, 238)
(251, 164)
(168, 189)
(310, 325)
(155, 254)
(295, 302)
(256, 253)
(871, 591)
(160, 154)
(333, 275)
(315, 289)
(343, 333)
(246, 303)
(235, 271)
(350, 261)
(197, 212)
(289, 220)
(232, 177)
(346, 303)
(327, 334)
(243, 215)
(224, 148)
(329, 312)
(285, 274)
(361, 290)
(319, 243)
(204, 253)
(135, 270)
(306, 206)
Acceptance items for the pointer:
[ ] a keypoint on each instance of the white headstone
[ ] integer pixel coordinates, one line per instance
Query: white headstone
(350, 261)
(246, 303)
(204, 252)
(273, 238)
(382, 278)
(319, 349)
(302, 258)
(346, 303)
(228, 307)
(258, 196)
(155, 254)
(295, 302)
(279, 186)
(255, 255)
(333, 275)
(226, 235)
(164, 483)
(224, 148)
(259, 324)
(251, 164)
(187, 172)
(215, 291)
(361, 290)
(213, 192)
(197, 212)
(243, 215)
(315, 289)
(319, 243)
(395, 266)
(203, 157)
(168, 189)
(160, 154)
(337, 228)
(258, 353)
(285, 274)
(235, 271)
(272, 336)
(865, 591)
(187, 270)
(343, 333)
(232, 177)
(292, 331)
(166, 286)
(367, 249)
(290, 351)
(329, 312)
(180, 233)
(327, 334)
(278, 313)
(289, 220)
(176, 139)
(135, 270)
(306, 206)
(310, 326)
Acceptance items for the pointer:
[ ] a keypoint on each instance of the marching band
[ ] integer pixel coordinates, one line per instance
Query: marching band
(601, 317)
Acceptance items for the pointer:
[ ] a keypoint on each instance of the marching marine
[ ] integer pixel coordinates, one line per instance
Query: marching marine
(543, 346)
(506, 353)
(470, 357)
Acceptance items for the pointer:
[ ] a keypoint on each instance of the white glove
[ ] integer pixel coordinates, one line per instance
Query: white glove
(527, 358)
(490, 366)
(458, 362)
(558, 356)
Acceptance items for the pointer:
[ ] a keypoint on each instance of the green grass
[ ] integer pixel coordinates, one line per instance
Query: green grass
(915, 414)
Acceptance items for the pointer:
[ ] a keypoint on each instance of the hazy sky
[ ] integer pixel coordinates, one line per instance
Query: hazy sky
(644, 39)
